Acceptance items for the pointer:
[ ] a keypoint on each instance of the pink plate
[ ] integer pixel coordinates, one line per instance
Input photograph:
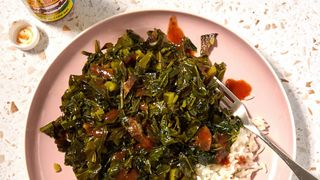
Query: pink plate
(243, 62)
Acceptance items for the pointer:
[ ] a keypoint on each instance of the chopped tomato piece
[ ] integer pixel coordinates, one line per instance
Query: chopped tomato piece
(133, 174)
(97, 132)
(134, 128)
(106, 73)
(140, 92)
(125, 175)
(223, 140)
(129, 84)
(222, 156)
(203, 139)
(87, 127)
(143, 107)
(112, 115)
(120, 155)
(135, 131)
(146, 143)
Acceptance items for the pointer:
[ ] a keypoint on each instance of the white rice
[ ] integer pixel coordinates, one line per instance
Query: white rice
(246, 146)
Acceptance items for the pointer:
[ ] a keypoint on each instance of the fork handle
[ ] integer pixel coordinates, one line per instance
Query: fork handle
(299, 171)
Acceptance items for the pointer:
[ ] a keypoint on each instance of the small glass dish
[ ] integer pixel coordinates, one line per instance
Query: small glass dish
(24, 35)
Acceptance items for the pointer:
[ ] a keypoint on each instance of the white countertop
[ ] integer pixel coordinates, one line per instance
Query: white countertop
(287, 33)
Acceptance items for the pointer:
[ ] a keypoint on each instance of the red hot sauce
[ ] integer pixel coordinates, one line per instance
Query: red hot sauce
(175, 33)
(240, 88)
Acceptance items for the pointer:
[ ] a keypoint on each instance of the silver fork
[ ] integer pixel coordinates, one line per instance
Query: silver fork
(239, 109)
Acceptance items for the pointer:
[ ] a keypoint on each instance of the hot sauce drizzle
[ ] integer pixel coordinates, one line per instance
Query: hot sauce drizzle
(175, 33)
(225, 161)
(240, 88)
(241, 160)
(25, 36)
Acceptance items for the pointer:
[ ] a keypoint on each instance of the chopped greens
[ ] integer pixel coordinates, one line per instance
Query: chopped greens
(57, 167)
(143, 109)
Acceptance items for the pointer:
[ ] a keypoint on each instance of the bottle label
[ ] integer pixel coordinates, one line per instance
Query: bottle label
(50, 10)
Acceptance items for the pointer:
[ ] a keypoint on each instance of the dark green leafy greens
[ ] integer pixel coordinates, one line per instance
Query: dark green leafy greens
(143, 109)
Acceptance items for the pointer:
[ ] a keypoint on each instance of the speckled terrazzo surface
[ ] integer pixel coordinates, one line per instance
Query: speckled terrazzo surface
(287, 33)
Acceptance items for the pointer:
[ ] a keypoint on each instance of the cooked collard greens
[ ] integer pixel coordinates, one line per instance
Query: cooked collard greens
(143, 109)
